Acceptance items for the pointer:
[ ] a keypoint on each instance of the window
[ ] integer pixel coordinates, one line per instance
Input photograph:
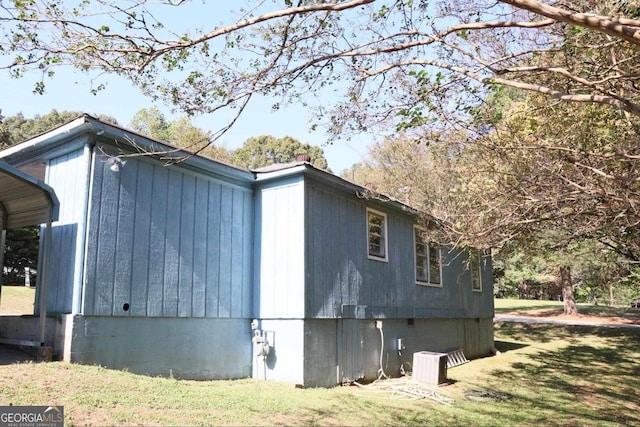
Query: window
(476, 270)
(377, 230)
(427, 259)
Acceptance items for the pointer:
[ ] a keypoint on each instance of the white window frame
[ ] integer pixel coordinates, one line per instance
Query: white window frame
(476, 271)
(429, 247)
(383, 234)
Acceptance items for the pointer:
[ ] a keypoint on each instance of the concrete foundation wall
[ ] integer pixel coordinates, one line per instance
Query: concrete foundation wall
(474, 337)
(286, 358)
(322, 342)
(314, 353)
(28, 328)
(189, 348)
(345, 350)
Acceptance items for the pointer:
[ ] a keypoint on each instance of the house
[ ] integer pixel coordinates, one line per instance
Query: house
(201, 270)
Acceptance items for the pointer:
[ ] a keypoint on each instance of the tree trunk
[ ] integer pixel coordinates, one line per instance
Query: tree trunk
(570, 308)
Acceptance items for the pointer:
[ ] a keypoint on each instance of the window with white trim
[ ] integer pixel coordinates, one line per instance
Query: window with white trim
(475, 265)
(427, 260)
(377, 235)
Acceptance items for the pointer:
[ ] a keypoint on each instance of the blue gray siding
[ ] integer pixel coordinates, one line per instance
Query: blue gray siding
(280, 250)
(68, 175)
(341, 281)
(167, 242)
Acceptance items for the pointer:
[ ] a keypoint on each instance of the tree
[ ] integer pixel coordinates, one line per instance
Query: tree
(522, 275)
(266, 150)
(550, 177)
(5, 136)
(566, 168)
(555, 175)
(362, 173)
(599, 274)
(15, 129)
(21, 251)
(180, 132)
(18, 128)
(152, 123)
(364, 64)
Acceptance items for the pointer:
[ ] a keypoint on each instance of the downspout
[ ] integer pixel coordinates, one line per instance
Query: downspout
(44, 282)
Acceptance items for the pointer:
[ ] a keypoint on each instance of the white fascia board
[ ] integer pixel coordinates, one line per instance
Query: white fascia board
(267, 176)
(34, 146)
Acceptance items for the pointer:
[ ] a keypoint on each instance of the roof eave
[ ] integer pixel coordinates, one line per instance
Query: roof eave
(35, 148)
(31, 217)
(58, 141)
(333, 181)
(112, 135)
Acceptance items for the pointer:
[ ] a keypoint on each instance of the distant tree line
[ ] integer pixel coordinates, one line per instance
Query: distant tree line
(256, 152)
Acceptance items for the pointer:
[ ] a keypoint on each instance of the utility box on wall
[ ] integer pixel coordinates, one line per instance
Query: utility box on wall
(430, 367)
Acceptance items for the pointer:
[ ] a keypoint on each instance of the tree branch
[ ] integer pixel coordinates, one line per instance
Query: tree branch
(623, 28)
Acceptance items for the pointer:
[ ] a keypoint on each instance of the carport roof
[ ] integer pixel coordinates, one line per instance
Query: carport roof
(24, 200)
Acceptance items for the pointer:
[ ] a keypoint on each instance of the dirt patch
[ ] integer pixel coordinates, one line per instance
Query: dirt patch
(626, 319)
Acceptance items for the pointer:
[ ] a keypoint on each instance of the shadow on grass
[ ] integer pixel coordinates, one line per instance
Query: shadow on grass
(536, 332)
(550, 308)
(607, 311)
(546, 332)
(514, 309)
(505, 346)
(590, 381)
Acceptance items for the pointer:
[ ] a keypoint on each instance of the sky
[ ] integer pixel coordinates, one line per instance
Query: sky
(70, 90)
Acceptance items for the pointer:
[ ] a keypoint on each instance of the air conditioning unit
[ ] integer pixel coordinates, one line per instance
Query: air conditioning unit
(430, 367)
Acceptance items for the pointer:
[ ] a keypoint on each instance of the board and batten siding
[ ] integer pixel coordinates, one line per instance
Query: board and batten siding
(68, 175)
(165, 242)
(342, 282)
(280, 249)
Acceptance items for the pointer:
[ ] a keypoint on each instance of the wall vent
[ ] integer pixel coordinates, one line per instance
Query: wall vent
(430, 367)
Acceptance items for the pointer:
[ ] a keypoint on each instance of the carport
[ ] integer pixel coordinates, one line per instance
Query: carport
(25, 201)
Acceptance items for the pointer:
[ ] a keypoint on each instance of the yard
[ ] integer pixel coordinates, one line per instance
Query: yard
(17, 300)
(545, 375)
(554, 309)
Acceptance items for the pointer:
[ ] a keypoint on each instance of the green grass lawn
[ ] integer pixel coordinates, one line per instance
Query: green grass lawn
(547, 375)
(550, 308)
(17, 300)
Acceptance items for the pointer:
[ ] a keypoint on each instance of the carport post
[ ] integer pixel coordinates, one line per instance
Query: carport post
(44, 279)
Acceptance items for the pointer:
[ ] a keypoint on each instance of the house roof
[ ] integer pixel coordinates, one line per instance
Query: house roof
(24, 200)
(278, 167)
(87, 129)
(283, 170)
